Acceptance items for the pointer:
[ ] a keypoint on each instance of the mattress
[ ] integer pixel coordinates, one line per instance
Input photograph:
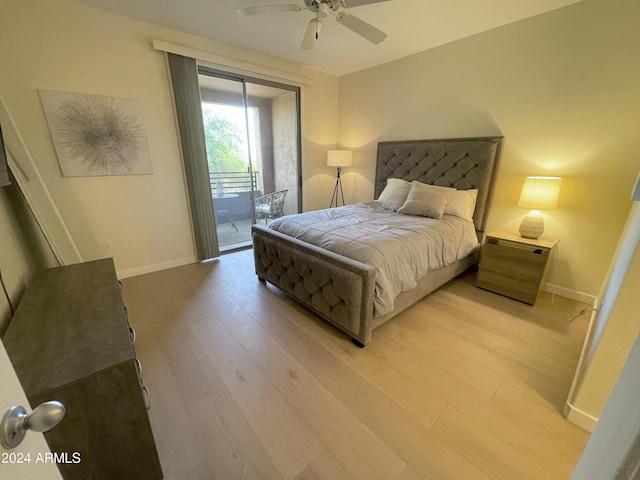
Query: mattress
(403, 248)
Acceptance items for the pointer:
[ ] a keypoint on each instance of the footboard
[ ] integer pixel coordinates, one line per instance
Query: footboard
(337, 288)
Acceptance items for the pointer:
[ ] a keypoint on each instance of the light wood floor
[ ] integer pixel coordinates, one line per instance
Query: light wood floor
(246, 384)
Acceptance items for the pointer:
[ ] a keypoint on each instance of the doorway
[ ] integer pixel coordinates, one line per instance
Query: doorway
(252, 134)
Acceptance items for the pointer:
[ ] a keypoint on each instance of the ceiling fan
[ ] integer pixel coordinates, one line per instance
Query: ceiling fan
(322, 8)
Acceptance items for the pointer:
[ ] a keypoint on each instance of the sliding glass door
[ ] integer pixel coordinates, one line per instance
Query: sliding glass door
(252, 139)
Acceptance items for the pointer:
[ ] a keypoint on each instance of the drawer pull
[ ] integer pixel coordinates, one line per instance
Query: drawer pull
(147, 397)
(138, 368)
(132, 334)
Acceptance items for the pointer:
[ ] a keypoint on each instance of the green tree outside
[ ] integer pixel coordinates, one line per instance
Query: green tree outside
(223, 141)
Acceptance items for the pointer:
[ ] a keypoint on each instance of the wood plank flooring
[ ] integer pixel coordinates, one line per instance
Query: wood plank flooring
(247, 384)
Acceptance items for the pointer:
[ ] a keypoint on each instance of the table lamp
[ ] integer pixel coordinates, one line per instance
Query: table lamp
(338, 159)
(538, 193)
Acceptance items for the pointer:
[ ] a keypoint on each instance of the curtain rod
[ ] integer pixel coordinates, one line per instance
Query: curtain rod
(232, 65)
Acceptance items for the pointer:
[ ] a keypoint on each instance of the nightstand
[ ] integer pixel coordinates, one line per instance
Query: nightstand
(515, 266)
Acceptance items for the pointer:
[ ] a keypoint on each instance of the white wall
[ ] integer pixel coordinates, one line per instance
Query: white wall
(616, 327)
(319, 134)
(561, 87)
(612, 451)
(142, 220)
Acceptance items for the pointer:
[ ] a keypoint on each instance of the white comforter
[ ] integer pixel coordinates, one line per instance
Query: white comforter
(402, 247)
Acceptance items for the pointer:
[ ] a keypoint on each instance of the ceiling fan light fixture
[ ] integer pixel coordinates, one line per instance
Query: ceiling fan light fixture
(311, 34)
(322, 8)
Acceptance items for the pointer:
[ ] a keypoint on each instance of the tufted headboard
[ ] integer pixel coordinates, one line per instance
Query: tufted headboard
(462, 163)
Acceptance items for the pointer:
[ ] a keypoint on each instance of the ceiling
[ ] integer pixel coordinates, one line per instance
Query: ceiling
(412, 26)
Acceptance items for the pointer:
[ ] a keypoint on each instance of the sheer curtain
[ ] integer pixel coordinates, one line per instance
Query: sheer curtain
(186, 94)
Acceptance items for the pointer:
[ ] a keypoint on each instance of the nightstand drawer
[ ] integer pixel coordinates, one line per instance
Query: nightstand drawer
(516, 269)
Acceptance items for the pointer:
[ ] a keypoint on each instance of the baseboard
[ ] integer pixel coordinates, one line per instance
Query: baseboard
(572, 294)
(578, 417)
(132, 272)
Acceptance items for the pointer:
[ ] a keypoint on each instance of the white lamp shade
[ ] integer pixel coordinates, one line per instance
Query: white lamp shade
(339, 158)
(540, 193)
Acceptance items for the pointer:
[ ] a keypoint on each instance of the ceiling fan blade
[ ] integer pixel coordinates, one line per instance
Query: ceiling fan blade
(357, 3)
(268, 9)
(362, 28)
(311, 35)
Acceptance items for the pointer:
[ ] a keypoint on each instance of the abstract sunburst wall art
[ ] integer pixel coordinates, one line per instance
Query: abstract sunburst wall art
(96, 135)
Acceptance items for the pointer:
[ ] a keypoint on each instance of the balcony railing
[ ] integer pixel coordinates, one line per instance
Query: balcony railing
(233, 182)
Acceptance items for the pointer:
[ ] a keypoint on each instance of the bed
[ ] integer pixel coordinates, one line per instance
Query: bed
(338, 285)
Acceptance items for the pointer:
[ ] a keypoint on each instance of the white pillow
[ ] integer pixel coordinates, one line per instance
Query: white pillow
(462, 204)
(426, 200)
(394, 194)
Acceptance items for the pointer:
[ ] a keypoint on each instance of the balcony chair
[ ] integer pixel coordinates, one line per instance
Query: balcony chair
(270, 205)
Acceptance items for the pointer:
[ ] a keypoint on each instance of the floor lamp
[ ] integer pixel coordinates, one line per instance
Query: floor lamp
(338, 159)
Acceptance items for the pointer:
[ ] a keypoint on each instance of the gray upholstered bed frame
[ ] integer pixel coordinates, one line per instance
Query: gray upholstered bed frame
(339, 289)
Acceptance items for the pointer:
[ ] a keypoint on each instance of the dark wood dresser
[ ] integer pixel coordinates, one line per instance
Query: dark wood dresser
(70, 341)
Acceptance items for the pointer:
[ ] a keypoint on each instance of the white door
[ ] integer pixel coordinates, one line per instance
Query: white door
(27, 461)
